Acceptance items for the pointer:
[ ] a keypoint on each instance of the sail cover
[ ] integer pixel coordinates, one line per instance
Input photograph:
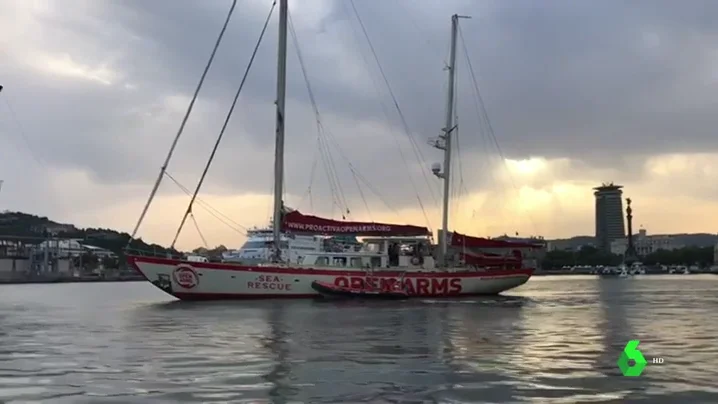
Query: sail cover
(297, 222)
(491, 260)
(461, 240)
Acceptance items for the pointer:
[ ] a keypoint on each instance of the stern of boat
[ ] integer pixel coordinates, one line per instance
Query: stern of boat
(502, 281)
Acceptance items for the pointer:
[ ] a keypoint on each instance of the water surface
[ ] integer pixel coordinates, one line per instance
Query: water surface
(554, 340)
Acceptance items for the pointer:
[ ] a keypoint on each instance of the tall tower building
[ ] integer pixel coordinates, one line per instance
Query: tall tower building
(609, 215)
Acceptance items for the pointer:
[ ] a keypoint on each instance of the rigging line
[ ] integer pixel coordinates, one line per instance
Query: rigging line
(313, 169)
(182, 125)
(329, 161)
(270, 206)
(216, 213)
(42, 163)
(408, 15)
(321, 130)
(210, 209)
(332, 173)
(196, 226)
(485, 116)
(329, 137)
(330, 178)
(333, 165)
(454, 186)
(456, 124)
(336, 199)
(23, 135)
(401, 116)
(385, 111)
(461, 186)
(355, 171)
(308, 192)
(225, 124)
(420, 156)
(412, 141)
(361, 193)
(376, 193)
(311, 201)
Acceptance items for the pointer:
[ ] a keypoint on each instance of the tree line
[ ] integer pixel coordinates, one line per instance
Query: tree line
(591, 256)
(32, 229)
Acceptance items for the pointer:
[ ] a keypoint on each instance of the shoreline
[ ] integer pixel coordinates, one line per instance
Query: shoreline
(67, 280)
(648, 273)
(133, 279)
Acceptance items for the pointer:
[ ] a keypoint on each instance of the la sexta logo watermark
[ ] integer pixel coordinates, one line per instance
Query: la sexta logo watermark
(632, 362)
(185, 277)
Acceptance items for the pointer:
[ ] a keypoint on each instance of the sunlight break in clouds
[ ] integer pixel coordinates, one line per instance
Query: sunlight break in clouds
(63, 65)
(560, 205)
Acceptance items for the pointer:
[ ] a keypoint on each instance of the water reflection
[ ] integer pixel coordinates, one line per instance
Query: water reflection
(617, 331)
(558, 342)
(364, 351)
(667, 321)
(276, 343)
(476, 354)
(204, 352)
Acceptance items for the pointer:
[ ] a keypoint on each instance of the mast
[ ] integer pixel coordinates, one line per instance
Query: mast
(279, 139)
(444, 143)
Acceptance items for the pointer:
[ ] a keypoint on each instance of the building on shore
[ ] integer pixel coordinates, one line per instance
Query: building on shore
(610, 224)
(645, 244)
(73, 248)
(23, 257)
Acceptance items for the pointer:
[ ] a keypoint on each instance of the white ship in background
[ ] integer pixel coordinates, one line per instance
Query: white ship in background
(259, 247)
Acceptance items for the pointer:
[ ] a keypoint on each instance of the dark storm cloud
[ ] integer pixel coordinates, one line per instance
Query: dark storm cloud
(577, 79)
(590, 79)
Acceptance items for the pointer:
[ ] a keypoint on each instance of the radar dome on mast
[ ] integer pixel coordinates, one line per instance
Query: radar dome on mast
(436, 169)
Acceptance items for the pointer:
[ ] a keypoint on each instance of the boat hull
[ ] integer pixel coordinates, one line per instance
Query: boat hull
(226, 281)
(331, 291)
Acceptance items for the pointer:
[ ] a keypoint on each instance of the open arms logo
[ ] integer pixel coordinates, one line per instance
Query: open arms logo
(631, 353)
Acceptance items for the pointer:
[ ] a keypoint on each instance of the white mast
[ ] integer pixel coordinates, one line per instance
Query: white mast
(279, 141)
(444, 143)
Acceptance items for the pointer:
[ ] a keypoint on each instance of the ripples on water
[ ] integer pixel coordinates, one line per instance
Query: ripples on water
(554, 340)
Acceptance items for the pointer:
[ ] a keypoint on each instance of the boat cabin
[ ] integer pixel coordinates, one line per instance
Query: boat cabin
(377, 252)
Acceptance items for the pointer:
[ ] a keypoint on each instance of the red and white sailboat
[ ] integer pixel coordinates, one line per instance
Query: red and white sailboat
(380, 263)
(390, 253)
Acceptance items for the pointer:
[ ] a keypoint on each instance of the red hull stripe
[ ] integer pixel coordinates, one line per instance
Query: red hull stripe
(332, 272)
(245, 296)
(239, 296)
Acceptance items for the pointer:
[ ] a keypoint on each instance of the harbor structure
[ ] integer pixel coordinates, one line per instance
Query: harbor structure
(610, 224)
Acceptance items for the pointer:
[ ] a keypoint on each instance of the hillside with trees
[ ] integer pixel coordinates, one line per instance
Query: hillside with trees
(32, 229)
(214, 254)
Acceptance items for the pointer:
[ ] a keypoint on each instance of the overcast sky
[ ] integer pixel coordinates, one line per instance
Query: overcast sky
(577, 93)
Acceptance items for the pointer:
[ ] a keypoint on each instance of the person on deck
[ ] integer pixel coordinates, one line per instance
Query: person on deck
(419, 252)
(393, 255)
